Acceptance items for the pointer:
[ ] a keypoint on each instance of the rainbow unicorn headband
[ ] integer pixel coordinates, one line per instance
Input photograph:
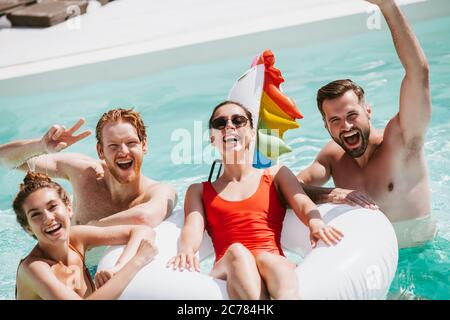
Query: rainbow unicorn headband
(259, 90)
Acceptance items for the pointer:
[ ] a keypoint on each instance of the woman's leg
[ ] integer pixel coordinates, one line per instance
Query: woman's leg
(279, 276)
(238, 268)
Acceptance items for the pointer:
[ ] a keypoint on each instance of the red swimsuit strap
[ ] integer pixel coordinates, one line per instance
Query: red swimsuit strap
(266, 180)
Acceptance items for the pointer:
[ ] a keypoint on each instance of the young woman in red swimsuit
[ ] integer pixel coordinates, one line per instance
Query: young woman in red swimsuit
(243, 212)
(55, 268)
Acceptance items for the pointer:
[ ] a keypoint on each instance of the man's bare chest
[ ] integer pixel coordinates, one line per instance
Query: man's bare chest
(379, 177)
(93, 201)
(92, 206)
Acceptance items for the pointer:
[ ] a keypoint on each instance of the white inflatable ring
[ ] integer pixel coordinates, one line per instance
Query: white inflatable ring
(361, 266)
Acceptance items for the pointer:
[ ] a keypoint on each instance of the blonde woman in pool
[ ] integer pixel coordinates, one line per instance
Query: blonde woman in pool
(55, 268)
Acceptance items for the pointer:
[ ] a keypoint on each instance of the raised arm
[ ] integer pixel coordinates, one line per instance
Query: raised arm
(415, 100)
(192, 233)
(40, 154)
(163, 198)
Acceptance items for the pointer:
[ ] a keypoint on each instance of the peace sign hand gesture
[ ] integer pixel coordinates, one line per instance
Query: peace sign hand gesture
(58, 137)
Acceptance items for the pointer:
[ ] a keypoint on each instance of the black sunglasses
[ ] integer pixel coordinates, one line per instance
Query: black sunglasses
(221, 122)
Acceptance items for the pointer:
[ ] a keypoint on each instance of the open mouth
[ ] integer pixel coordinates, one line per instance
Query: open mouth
(228, 139)
(352, 138)
(125, 165)
(53, 229)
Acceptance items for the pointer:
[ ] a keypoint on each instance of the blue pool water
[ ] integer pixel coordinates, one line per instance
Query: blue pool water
(178, 97)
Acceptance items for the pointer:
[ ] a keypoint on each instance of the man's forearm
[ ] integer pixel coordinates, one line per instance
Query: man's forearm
(128, 217)
(317, 194)
(408, 48)
(16, 153)
(134, 216)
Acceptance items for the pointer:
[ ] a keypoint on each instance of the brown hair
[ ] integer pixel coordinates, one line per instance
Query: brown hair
(247, 112)
(337, 89)
(33, 182)
(126, 115)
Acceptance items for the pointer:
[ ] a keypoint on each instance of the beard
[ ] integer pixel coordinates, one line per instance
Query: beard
(359, 151)
(122, 177)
